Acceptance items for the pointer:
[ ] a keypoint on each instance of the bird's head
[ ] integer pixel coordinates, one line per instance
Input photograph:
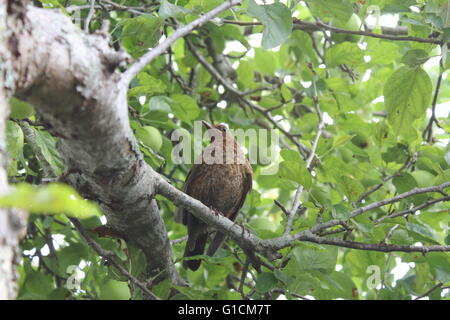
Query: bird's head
(216, 130)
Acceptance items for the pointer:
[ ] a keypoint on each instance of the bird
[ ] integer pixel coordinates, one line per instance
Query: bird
(220, 178)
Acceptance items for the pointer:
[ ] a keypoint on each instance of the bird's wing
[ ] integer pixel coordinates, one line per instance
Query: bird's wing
(180, 216)
(247, 186)
(195, 189)
(219, 237)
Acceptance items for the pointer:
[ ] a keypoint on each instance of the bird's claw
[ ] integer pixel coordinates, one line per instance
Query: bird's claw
(216, 212)
(242, 227)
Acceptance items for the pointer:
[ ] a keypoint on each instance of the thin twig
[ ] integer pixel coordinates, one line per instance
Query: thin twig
(414, 209)
(428, 132)
(437, 286)
(243, 276)
(309, 161)
(179, 240)
(381, 247)
(283, 291)
(89, 16)
(408, 163)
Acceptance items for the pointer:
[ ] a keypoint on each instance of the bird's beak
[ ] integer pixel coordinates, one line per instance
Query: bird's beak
(207, 125)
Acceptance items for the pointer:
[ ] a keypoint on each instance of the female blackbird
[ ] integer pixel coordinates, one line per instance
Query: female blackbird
(220, 179)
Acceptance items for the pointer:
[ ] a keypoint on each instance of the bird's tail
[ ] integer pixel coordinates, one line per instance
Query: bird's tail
(216, 243)
(194, 247)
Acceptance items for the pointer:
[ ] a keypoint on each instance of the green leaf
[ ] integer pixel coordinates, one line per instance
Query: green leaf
(277, 22)
(295, 171)
(141, 33)
(184, 107)
(148, 85)
(415, 57)
(20, 109)
(344, 53)
(14, 145)
(290, 155)
(162, 289)
(37, 286)
(341, 10)
(407, 94)
(398, 153)
(245, 74)
(114, 290)
(401, 236)
(315, 258)
(381, 51)
(422, 232)
(265, 61)
(190, 293)
(404, 182)
(301, 44)
(441, 266)
(263, 227)
(280, 275)
(265, 282)
(351, 187)
(341, 212)
(53, 198)
(168, 10)
(47, 144)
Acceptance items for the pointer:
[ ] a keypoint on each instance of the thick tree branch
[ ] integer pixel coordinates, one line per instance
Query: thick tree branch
(69, 77)
(12, 222)
(269, 248)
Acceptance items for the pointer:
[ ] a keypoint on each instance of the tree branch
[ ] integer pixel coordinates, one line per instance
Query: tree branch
(111, 258)
(428, 132)
(414, 209)
(80, 101)
(140, 64)
(382, 247)
(388, 33)
(89, 16)
(410, 161)
(437, 286)
(12, 222)
(299, 24)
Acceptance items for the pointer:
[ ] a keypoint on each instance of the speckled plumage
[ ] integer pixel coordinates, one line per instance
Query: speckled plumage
(220, 179)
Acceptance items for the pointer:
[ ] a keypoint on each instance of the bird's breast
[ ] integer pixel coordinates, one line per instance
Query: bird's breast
(222, 186)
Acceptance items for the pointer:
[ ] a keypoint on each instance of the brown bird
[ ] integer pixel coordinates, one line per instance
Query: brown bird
(220, 179)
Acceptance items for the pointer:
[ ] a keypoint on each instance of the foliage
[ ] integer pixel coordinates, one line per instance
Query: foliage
(376, 98)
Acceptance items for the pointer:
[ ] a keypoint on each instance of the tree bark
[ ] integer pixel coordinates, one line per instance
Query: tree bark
(70, 79)
(12, 222)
